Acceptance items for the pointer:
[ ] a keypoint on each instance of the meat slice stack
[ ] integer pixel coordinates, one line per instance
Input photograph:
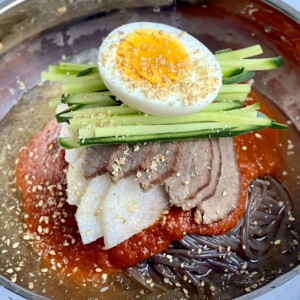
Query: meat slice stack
(200, 174)
(193, 172)
(227, 193)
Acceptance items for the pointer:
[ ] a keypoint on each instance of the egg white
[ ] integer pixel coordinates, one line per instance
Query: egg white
(173, 101)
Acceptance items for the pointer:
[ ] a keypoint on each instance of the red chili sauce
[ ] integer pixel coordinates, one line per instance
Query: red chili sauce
(41, 179)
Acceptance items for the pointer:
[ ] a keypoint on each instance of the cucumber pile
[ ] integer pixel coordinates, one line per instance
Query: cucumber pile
(97, 117)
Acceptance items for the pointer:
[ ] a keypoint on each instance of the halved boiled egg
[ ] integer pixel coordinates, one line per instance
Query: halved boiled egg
(159, 69)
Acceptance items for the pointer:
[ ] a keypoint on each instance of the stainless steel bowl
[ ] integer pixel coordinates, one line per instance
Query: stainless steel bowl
(34, 34)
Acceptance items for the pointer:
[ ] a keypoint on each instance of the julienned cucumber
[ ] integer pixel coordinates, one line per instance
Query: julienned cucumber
(153, 129)
(210, 132)
(238, 78)
(228, 54)
(89, 98)
(249, 117)
(167, 137)
(123, 109)
(98, 118)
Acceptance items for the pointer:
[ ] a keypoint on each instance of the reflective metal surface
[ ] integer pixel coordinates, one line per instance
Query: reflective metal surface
(34, 34)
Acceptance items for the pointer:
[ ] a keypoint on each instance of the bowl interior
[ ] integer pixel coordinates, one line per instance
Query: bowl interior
(219, 24)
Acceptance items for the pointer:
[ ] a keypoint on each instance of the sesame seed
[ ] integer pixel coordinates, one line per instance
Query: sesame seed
(52, 252)
(291, 218)
(244, 266)
(61, 9)
(15, 245)
(30, 285)
(257, 135)
(44, 270)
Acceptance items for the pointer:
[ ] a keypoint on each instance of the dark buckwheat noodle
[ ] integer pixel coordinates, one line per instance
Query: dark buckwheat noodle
(189, 263)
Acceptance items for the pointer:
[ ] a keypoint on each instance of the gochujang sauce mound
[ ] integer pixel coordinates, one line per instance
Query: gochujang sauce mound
(41, 179)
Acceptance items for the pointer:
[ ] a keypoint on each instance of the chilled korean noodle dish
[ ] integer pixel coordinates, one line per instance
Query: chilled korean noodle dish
(159, 171)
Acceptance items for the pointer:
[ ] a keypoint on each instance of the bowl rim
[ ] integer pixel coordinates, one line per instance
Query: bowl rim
(264, 293)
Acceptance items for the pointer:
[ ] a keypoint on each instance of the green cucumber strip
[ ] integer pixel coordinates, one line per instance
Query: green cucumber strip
(238, 78)
(86, 133)
(223, 51)
(107, 110)
(61, 118)
(95, 112)
(249, 108)
(75, 67)
(197, 117)
(155, 129)
(89, 71)
(243, 88)
(280, 126)
(164, 137)
(243, 113)
(257, 64)
(231, 97)
(83, 86)
(56, 70)
(89, 98)
(222, 106)
(67, 78)
(229, 72)
(274, 125)
(58, 77)
(69, 143)
(240, 53)
(125, 110)
(125, 120)
(54, 102)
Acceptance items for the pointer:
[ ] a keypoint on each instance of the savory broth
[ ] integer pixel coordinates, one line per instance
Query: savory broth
(21, 264)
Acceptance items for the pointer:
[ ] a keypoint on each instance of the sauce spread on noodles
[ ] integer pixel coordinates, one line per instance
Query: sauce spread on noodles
(41, 179)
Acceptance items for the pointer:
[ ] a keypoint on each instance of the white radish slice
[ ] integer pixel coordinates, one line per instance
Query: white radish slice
(127, 210)
(71, 155)
(76, 182)
(88, 214)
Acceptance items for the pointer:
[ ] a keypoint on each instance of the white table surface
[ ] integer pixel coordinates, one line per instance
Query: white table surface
(288, 291)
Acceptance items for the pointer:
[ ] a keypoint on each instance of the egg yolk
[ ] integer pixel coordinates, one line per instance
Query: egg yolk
(152, 55)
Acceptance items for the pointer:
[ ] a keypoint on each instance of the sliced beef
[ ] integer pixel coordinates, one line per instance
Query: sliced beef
(102, 159)
(227, 194)
(138, 158)
(210, 189)
(193, 172)
(163, 165)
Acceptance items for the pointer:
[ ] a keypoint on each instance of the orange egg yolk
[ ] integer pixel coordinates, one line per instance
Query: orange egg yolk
(152, 55)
